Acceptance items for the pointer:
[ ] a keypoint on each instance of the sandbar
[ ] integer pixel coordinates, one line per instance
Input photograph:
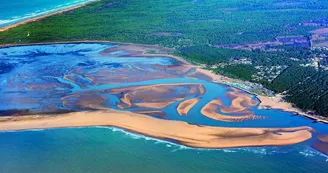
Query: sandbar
(210, 111)
(184, 107)
(181, 132)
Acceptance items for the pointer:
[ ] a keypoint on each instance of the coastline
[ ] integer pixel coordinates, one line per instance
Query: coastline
(183, 133)
(33, 19)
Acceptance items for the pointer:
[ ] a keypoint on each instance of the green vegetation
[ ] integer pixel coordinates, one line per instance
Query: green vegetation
(197, 22)
(241, 71)
(291, 77)
(311, 93)
(196, 29)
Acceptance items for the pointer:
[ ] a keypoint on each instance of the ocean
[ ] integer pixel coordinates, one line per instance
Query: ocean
(13, 11)
(103, 150)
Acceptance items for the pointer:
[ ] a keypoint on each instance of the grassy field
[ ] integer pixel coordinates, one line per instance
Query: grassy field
(195, 28)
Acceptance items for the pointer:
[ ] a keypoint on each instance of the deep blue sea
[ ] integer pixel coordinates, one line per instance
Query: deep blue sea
(32, 77)
(13, 11)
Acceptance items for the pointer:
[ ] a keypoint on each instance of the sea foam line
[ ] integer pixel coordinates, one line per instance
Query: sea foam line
(38, 13)
(307, 152)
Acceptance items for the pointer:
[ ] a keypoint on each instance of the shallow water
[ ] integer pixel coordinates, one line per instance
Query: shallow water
(49, 78)
(14, 11)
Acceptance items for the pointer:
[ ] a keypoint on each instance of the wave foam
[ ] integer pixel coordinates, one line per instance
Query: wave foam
(37, 13)
(305, 151)
(310, 152)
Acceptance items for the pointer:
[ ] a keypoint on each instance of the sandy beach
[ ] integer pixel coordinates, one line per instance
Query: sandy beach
(182, 132)
(43, 16)
(278, 103)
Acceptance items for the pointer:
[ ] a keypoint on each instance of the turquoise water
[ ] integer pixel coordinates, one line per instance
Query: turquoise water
(101, 150)
(32, 77)
(14, 11)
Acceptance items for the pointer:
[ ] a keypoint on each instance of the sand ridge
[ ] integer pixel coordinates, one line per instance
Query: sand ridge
(182, 132)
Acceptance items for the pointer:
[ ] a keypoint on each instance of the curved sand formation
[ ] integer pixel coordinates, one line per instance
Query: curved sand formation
(247, 100)
(321, 144)
(126, 100)
(184, 107)
(240, 102)
(210, 111)
(182, 132)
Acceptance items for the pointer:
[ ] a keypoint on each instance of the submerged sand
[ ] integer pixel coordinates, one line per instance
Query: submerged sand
(182, 132)
(321, 144)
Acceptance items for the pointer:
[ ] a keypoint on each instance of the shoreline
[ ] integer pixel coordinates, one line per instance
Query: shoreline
(266, 102)
(198, 136)
(33, 19)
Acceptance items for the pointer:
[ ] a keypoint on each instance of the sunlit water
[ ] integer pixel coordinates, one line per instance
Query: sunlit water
(13, 11)
(113, 150)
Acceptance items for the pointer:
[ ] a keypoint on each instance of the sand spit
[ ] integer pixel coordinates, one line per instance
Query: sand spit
(182, 132)
(184, 107)
(210, 111)
(44, 16)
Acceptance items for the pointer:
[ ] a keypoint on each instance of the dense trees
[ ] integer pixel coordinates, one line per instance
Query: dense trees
(291, 77)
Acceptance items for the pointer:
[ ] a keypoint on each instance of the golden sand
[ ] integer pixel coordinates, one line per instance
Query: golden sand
(182, 132)
(210, 111)
(239, 102)
(184, 107)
